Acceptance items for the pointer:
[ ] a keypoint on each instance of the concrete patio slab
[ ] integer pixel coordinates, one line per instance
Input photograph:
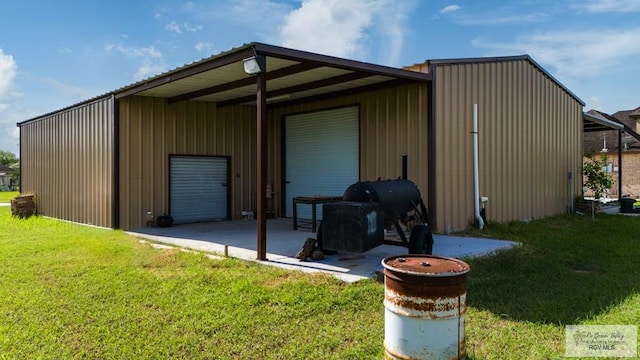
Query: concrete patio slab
(238, 239)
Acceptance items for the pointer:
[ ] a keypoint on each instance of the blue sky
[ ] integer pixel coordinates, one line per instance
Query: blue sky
(56, 53)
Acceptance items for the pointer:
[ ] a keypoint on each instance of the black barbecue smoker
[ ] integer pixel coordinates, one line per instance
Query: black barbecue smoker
(358, 222)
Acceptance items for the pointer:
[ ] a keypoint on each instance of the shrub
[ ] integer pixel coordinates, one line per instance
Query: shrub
(597, 178)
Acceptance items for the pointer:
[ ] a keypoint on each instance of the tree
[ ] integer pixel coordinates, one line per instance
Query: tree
(598, 180)
(8, 158)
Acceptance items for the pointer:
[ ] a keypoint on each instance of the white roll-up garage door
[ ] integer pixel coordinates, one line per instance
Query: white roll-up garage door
(198, 188)
(322, 155)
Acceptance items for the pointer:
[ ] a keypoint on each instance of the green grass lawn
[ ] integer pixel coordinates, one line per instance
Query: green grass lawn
(69, 291)
(6, 196)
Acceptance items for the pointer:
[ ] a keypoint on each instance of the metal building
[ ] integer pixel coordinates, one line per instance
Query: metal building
(207, 140)
(529, 133)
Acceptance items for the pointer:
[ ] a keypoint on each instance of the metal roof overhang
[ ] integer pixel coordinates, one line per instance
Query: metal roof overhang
(595, 123)
(289, 76)
(606, 122)
(292, 76)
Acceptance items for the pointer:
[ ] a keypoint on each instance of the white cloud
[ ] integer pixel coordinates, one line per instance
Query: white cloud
(258, 19)
(174, 27)
(240, 20)
(500, 18)
(150, 60)
(575, 54)
(69, 90)
(188, 6)
(601, 6)
(179, 29)
(15, 134)
(9, 114)
(595, 102)
(148, 70)
(258, 11)
(189, 28)
(450, 8)
(205, 47)
(391, 25)
(8, 69)
(342, 28)
(140, 52)
(332, 27)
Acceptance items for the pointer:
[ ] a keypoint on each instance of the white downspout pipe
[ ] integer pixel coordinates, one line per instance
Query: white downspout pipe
(476, 181)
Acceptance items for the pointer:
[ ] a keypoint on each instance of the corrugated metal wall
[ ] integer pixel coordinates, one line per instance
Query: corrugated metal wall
(530, 137)
(150, 130)
(67, 161)
(393, 122)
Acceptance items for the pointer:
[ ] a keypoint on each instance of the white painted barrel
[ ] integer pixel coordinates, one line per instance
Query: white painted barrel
(424, 301)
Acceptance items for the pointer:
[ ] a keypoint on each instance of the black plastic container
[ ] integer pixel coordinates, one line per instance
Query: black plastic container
(626, 205)
(164, 221)
(351, 226)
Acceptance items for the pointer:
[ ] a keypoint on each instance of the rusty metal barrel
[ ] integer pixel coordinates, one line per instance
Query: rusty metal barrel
(424, 300)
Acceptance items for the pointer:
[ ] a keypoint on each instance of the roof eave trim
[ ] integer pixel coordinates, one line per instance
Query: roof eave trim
(475, 60)
(85, 102)
(506, 58)
(188, 70)
(300, 55)
(243, 52)
(556, 80)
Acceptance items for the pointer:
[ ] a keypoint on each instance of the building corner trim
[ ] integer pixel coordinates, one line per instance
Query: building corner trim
(115, 201)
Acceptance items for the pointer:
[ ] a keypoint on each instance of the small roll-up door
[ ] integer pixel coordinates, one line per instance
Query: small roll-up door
(322, 155)
(198, 188)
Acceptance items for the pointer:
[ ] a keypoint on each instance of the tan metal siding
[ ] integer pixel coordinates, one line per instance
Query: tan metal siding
(151, 130)
(67, 161)
(239, 122)
(393, 122)
(529, 139)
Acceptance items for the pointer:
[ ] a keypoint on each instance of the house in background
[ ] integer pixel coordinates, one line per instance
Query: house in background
(201, 141)
(607, 142)
(6, 178)
(608, 139)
